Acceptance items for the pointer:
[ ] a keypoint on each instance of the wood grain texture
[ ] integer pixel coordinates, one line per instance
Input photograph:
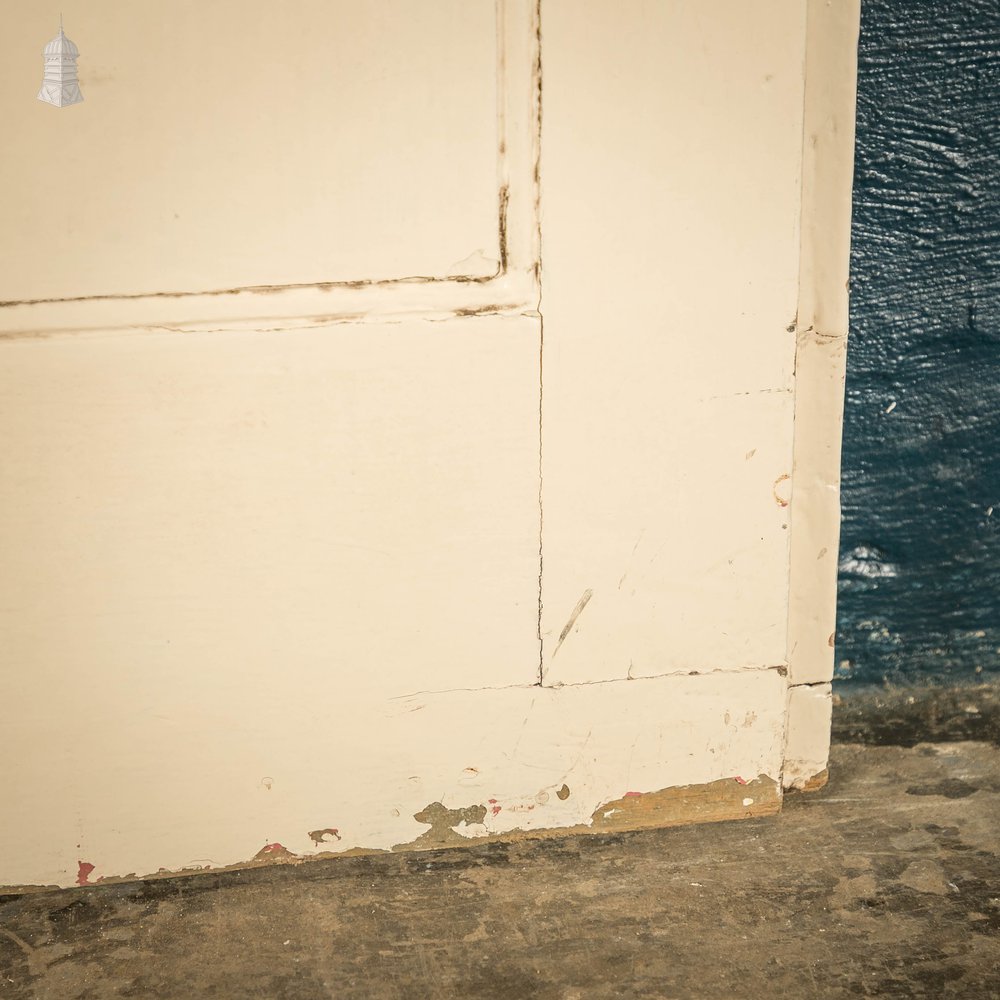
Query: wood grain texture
(920, 558)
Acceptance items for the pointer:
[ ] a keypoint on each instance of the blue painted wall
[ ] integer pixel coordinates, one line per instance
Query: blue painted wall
(920, 550)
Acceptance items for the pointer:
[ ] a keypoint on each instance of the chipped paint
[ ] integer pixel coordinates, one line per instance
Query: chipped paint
(84, 872)
(442, 822)
(583, 745)
(323, 836)
(813, 783)
(273, 852)
(714, 801)
(652, 751)
(779, 497)
(455, 827)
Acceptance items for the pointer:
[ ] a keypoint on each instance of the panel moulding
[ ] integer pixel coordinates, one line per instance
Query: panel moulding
(511, 289)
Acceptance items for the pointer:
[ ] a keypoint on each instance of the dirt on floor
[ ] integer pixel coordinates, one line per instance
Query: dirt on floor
(906, 716)
(886, 883)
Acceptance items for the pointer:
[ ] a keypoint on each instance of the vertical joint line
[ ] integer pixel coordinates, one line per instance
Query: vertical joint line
(537, 76)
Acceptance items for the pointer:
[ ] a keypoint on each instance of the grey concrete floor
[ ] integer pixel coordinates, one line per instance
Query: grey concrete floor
(886, 883)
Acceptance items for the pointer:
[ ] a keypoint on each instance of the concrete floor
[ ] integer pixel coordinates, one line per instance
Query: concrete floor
(886, 883)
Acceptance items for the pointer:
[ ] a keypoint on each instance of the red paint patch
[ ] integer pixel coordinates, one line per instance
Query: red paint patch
(741, 781)
(273, 852)
(83, 875)
(495, 809)
(632, 795)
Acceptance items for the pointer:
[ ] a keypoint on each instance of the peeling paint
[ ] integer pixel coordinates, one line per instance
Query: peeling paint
(84, 873)
(690, 804)
(322, 836)
(779, 499)
(813, 783)
(442, 822)
(494, 309)
(273, 852)
(712, 802)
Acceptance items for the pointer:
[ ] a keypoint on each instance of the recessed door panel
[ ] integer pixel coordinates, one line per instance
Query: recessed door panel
(223, 145)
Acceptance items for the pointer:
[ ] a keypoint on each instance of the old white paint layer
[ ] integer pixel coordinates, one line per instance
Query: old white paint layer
(820, 366)
(671, 183)
(286, 560)
(821, 354)
(224, 144)
(188, 513)
(275, 762)
(807, 745)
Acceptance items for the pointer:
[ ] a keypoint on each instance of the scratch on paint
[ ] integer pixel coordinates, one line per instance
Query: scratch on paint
(577, 611)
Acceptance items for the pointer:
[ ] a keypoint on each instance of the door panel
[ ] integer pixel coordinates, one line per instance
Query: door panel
(671, 195)
(328, 509)
(220, 146)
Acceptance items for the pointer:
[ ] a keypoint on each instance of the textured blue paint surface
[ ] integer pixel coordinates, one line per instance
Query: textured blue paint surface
(920, 549)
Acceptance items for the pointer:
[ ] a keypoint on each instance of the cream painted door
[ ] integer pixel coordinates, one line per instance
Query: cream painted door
(392, 457)
(270, 410)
